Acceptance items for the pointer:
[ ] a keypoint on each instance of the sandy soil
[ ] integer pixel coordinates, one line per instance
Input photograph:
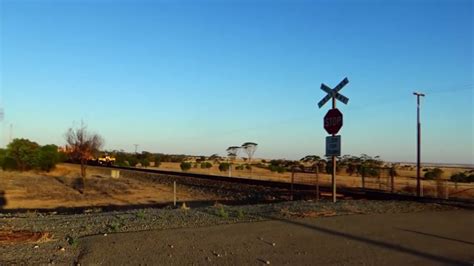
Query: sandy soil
(383, 239)
(60, 188)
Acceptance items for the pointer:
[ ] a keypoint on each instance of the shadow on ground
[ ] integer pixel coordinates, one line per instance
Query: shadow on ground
(3, 200)
(382, 244)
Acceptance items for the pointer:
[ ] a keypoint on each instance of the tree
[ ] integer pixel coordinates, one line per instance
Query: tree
(435, 173)
(312, 160)
(132, 160)
(48, 157)
(7, 162)
(215, 158)
(23, 152)
(83, 145)
(249, 148)
(232, 153)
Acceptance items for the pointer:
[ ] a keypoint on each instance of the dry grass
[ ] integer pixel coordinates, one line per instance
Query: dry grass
(59, 188)
(405, 182)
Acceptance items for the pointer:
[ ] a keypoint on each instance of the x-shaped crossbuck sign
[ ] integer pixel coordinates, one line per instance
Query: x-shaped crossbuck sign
(334, 93)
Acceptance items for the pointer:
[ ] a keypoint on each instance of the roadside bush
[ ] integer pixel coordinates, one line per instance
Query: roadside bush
(132, 161)
(239, 167)
(145, 163)
(123, 164)
(206, 165)
(462, 178)
(23, 155)
(24, 152)
(47, 157)
(248, 167)
(3, 154)
(223, 167)
(185, 166)
(277, 168)
(62, 157)
(8, 163)
(435, 173)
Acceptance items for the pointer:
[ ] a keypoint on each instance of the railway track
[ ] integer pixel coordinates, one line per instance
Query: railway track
(297, 190)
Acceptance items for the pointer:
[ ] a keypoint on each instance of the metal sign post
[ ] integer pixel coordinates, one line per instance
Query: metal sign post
(332, 124)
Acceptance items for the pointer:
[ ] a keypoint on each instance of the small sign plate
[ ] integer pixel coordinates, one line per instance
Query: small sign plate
(333, 145)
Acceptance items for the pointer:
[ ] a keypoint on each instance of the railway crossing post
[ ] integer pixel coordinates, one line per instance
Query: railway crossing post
(332, 124)
(174, 193)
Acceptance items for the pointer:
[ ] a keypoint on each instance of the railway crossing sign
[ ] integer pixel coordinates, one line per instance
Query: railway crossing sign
(334, 93)
(333, 121)
(332, 124)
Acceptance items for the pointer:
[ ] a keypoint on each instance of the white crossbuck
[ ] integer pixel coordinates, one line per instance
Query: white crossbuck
(334, 93)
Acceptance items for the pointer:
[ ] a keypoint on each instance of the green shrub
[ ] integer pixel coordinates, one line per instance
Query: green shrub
(132, 161)
(24, 152)
(114, 226)
(223, 167)
(277, 168)
(123, 164)
(8, 163)
(462, 177)
(72, 241)
(221, 212)
(248, 167)
(435, 173)
(140, 214)
(206, 165)
(281, 169)
(185, 166)
(23, 155)
(240, 214)
(62, 157)
(47, 157)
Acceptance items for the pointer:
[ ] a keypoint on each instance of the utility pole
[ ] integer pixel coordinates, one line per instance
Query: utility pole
(333, 175)
(11, 133)
(418, 143)
(136, 148)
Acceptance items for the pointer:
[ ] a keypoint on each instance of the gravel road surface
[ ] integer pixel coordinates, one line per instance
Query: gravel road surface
(195, 234)
(433, 238)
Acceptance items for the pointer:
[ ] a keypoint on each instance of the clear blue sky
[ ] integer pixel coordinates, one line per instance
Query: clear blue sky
(195, 77)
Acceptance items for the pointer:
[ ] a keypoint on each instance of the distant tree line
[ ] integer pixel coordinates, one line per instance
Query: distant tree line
(144, 158)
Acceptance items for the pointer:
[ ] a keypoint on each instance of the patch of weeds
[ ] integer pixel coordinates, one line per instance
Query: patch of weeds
(221, 212)
(240, 214)
(72, 241)
(140, 214)
(114, 226)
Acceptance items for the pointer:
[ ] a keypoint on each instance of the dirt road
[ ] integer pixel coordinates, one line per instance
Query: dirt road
(434, 238)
